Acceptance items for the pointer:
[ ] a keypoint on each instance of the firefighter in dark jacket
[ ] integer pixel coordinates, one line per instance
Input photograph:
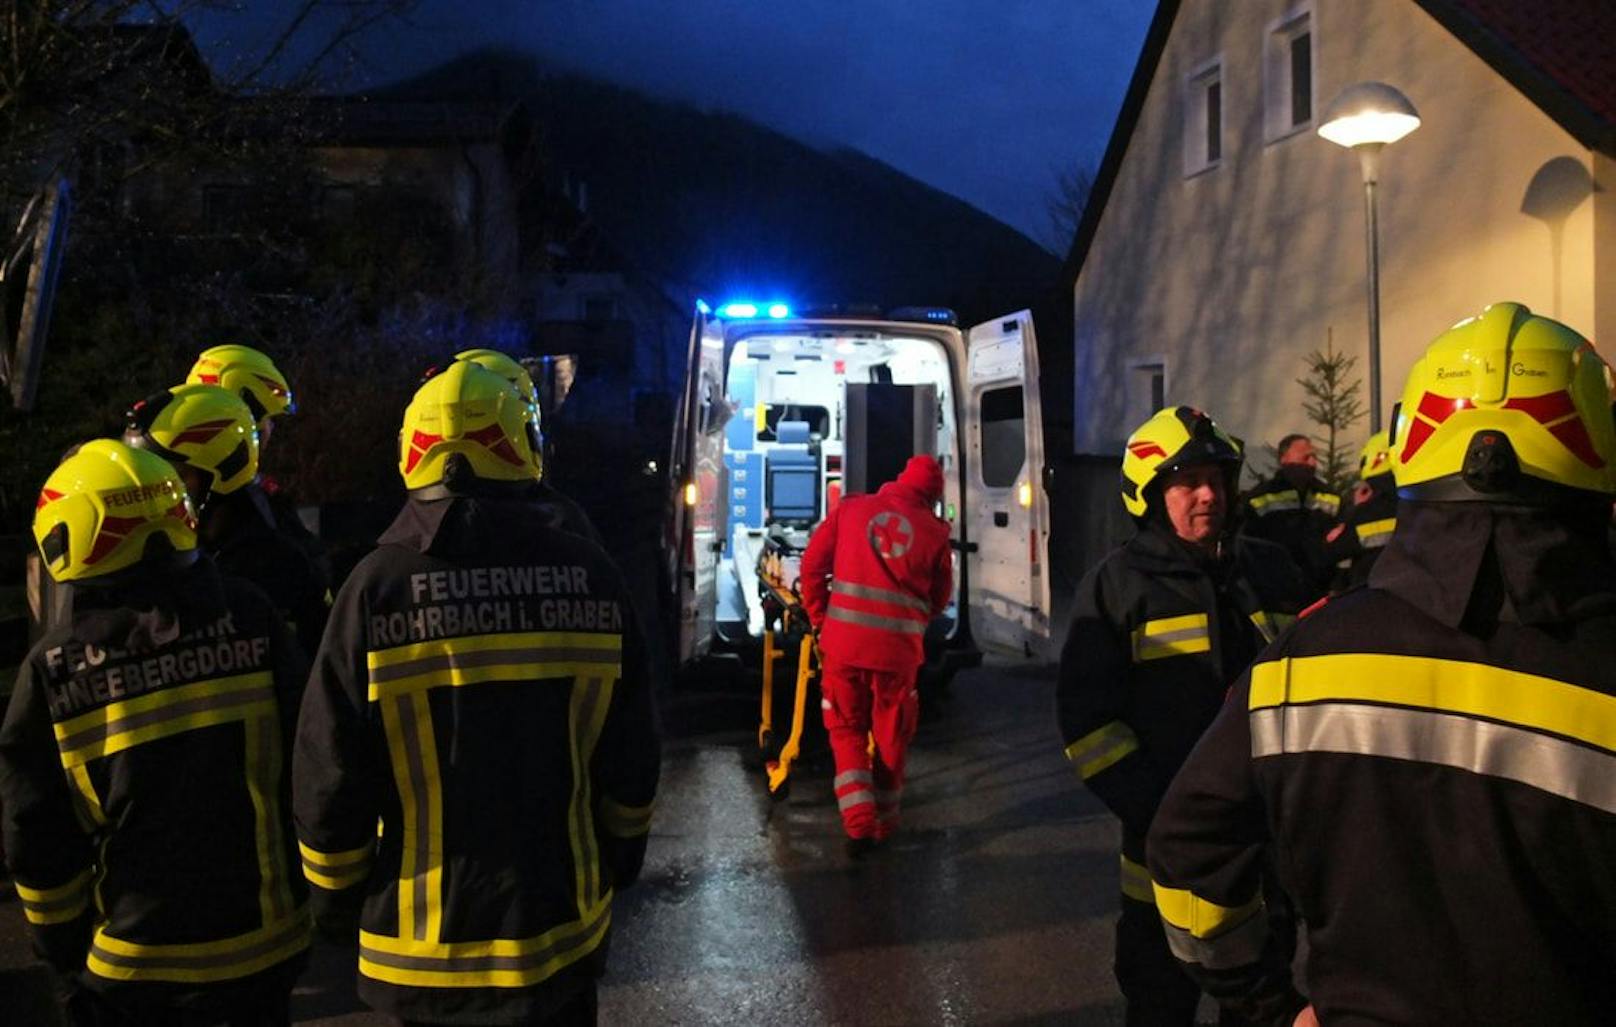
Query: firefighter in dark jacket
(482, 692)
(1355, 543)
(1432, 759)
(211, 438)
(875, 573)
(1161, 627)
(253, 376)
(1296, 510)
(144, 764)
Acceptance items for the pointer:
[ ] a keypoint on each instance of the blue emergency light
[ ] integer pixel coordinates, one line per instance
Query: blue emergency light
(746, 308)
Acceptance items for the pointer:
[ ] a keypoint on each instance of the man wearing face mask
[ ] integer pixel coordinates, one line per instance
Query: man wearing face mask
(1295, 509)
(1161, 628)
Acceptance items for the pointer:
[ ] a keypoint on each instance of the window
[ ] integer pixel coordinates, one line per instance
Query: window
(1203, 126)
(1004, 436)
(1147, 388)
(1288, 75)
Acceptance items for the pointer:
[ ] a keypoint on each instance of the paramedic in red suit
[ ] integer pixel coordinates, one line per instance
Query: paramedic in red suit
(874, 575)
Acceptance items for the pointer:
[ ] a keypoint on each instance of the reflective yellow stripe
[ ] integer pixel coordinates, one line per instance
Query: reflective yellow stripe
(200, 962)
(1199, 917)
(1101, 748)
(1136, 882)
(1270, 625)
(1450, 686)
(1273, 502)
(625, 821)
(264, 786)
(88, 807)
(529, 656)
(1324, 502)
(407, 723)
(591, 698)
(1171, 636)
(335, 871)
(56, 905)
(495, 963)
(1374, 534)
(120, 725)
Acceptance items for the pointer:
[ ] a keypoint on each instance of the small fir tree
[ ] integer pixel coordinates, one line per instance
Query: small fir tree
(1334, 404)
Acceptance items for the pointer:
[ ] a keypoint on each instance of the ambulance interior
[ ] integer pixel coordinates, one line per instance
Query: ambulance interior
(817, 416)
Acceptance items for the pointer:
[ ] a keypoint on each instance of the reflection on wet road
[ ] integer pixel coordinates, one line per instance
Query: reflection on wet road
(994, 904)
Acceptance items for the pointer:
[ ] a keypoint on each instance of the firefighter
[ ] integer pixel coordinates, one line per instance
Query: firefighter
(143, 763)
(1296, 510)
(875, 573)
(1432, 758)
(253, 376)
(211, 438)
(476, 759)
(1161, 627)
(1353, 545)
(563, 512)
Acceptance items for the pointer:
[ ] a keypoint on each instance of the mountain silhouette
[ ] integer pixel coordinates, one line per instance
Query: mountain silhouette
(717, 206)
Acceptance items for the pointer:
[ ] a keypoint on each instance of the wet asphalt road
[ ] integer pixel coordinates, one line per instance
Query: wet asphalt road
(993, 905)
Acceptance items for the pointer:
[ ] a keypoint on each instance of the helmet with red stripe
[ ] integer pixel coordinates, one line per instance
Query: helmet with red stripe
(107, 507)
(249, 374)
(1506, 407)
(1172, 439)
(470, 417)
(202, 427)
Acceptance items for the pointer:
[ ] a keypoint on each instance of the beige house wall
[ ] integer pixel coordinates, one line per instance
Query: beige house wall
(1233, 275)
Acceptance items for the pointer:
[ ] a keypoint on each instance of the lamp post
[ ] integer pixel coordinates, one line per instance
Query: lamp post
(1367, 117)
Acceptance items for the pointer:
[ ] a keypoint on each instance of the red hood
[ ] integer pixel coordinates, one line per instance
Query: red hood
(923, 475)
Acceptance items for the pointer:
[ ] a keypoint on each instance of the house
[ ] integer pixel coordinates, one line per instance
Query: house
(1225, 239)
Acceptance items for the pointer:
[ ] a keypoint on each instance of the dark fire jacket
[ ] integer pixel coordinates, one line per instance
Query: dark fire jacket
(1431, 764)
(144, 778)
(477, 758)
(1158, 634)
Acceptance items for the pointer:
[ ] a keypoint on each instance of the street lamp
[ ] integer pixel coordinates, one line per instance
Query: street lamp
(1366, 117)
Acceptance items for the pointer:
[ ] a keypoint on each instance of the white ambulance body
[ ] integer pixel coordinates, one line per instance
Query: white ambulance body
(780, 412)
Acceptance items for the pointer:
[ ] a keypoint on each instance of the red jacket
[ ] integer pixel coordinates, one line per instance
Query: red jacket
(878, 570)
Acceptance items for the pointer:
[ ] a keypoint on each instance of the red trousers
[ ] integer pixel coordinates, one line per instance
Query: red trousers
(859, 703)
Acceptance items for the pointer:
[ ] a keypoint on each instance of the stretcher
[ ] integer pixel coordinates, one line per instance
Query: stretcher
(784, 617)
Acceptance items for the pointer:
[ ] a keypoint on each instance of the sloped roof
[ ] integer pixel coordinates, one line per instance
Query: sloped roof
(1558, 53)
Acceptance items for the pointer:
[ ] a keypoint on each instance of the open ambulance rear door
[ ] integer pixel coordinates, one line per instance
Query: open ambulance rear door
(1006, 510)
(695, 521)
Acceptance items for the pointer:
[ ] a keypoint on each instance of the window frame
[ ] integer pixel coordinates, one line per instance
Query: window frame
(1145, 368)
(1279, 83)
(1198, 158)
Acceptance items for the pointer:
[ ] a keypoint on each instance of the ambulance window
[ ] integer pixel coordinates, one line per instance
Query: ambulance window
(1004, 437)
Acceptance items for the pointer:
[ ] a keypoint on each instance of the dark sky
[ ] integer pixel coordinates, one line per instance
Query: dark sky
(985, 99)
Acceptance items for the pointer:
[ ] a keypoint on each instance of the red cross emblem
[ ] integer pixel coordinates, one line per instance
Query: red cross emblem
(891, 534)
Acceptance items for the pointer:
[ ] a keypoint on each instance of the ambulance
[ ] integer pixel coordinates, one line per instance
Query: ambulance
(783, 413)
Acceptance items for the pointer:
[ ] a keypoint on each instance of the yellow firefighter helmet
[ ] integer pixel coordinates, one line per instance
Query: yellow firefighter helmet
(1506, 406)
(204, 427)
(1172, 439)
(467, 411)
(104, 505)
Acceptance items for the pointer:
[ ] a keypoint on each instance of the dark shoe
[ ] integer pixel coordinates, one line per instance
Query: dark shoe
(858, 848)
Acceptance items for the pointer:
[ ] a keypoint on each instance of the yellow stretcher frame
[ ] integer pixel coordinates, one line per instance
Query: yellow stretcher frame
(779, 769)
